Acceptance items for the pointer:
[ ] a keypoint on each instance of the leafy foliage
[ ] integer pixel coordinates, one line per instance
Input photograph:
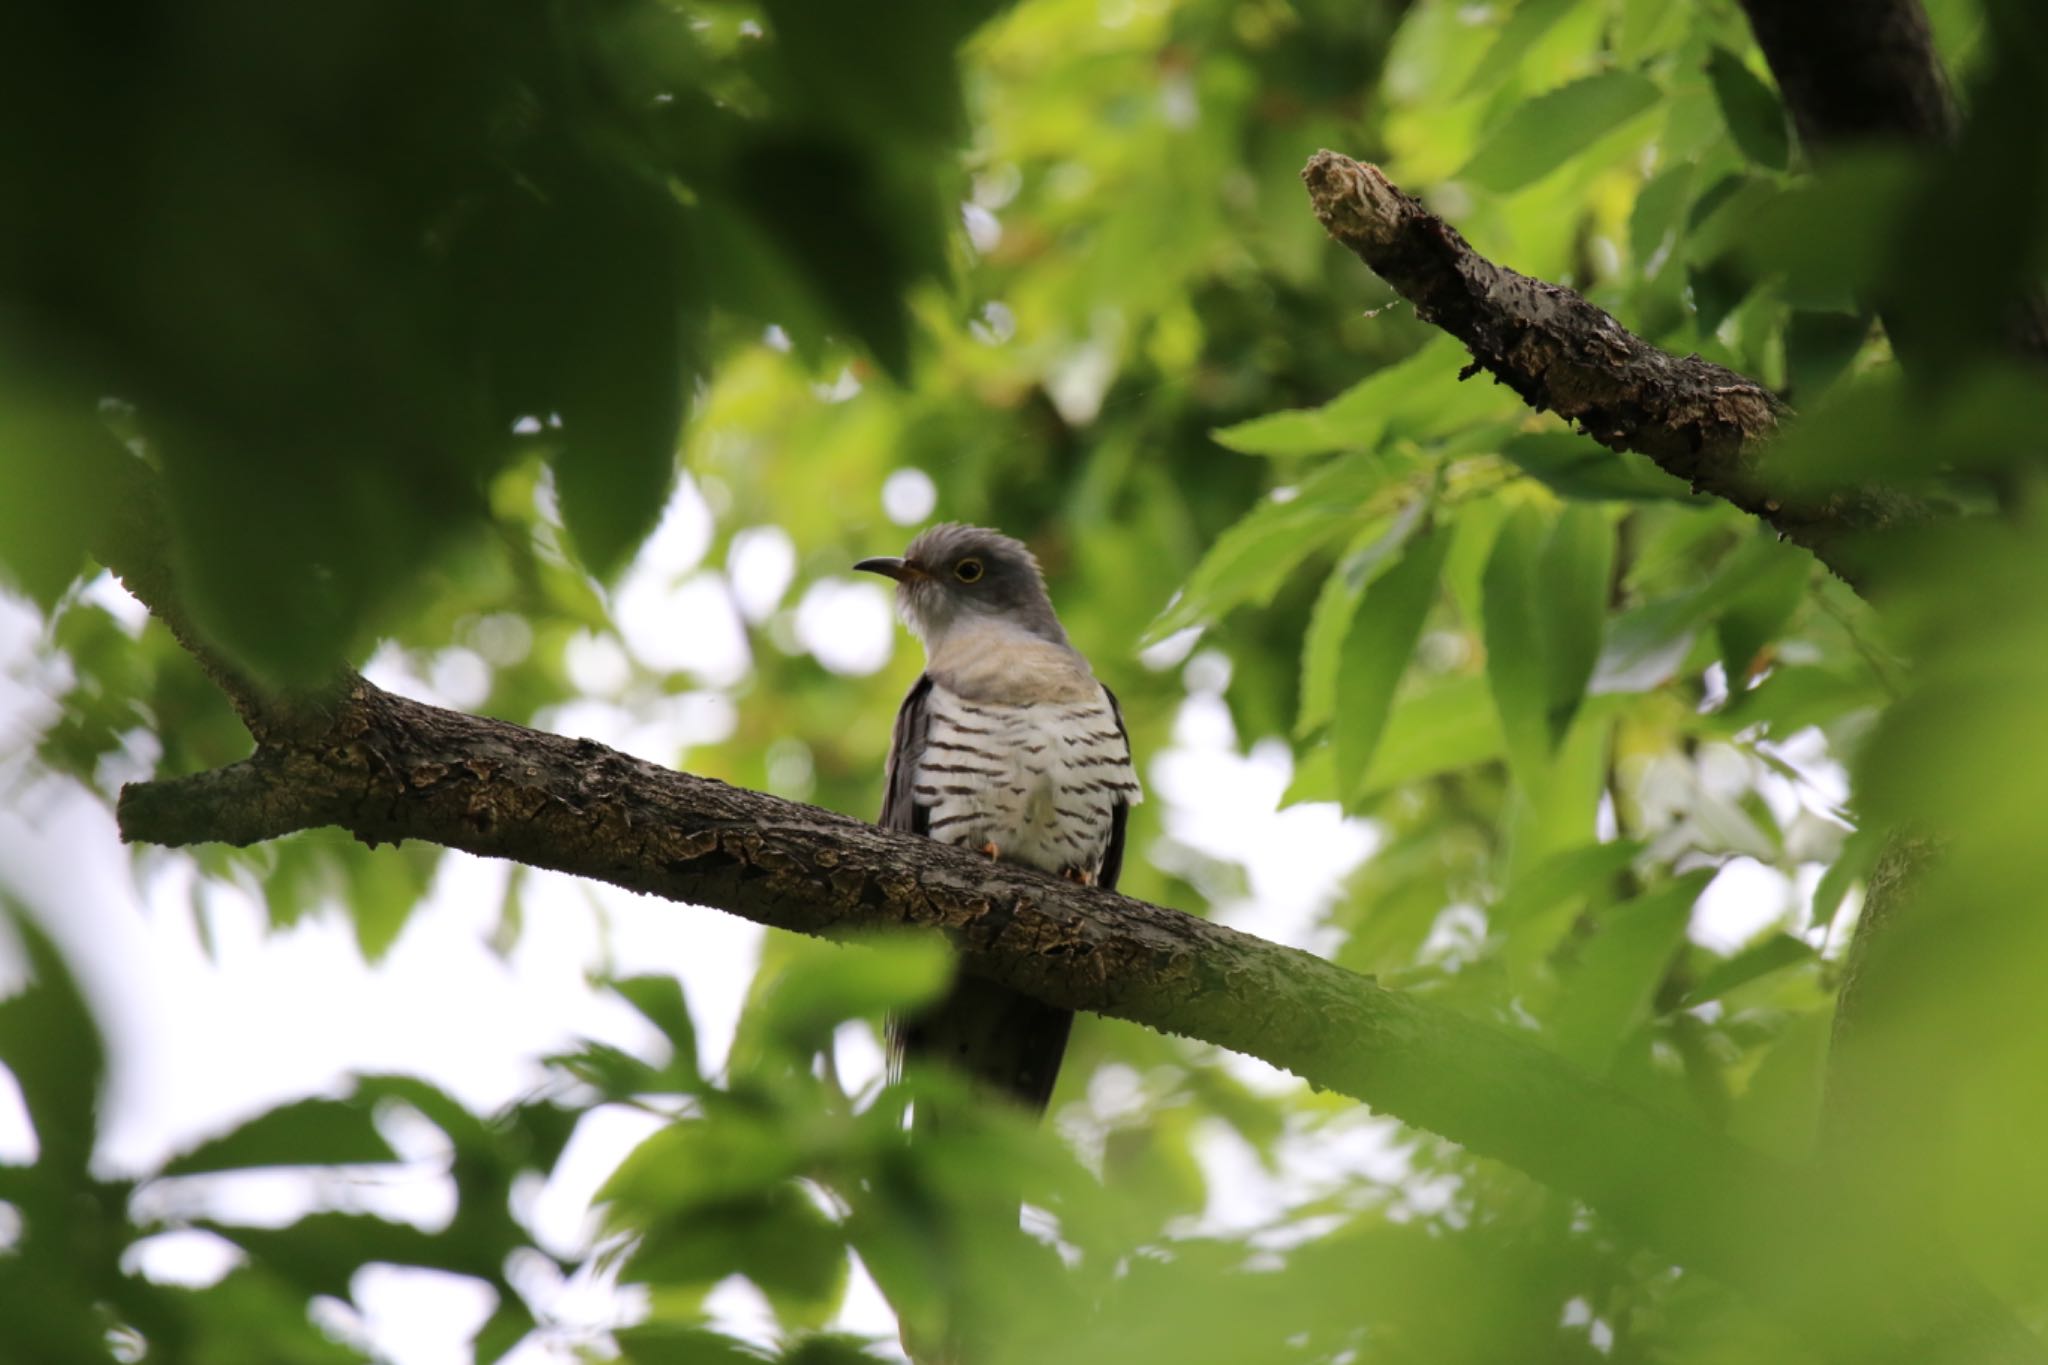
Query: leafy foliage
(412, 370)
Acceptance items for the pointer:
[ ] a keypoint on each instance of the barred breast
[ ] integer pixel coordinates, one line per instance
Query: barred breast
(1035, 779)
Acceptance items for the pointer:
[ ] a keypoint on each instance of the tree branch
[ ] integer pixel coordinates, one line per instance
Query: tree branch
(1699, 421)
(388, 769)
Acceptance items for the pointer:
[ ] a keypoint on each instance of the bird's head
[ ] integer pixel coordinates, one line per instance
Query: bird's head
(956, 576)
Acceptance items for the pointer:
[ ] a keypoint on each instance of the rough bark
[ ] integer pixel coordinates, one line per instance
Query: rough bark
(1699, 421)
(388, 769)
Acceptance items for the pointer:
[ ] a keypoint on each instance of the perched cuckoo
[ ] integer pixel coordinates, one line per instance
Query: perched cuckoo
(1009, 745)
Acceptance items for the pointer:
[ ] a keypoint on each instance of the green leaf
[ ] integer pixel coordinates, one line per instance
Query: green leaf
(1444, 728)
(58, 472)
(778, 1239)
(1417, 395)
(1516, 670)
(1376, 654)
(846, 226)
(1575, 466)
(321, 1253)
(1718, 287)
(1819, 347)
(1609, 992)
(1756, 616)
(1755, 118)
(49, 1040)
(822, 985)
(1524, 28)
(1774, 952)
(508, 1326)
(1248, 562)
(1574, 583)
(1543, 133)
(1565, 876)
(1322, 649)
(626, 374)
(667, 1343)
(308, 1133)
(1853, 864)
(660, 1000)
(1654, 222)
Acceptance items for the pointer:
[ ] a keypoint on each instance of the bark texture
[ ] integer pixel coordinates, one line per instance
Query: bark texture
(1699, 421)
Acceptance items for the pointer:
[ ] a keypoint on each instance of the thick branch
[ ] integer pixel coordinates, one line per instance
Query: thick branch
(389, 769)
(1697, 420)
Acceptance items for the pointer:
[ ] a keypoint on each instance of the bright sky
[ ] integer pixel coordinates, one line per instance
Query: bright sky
(203, 1037)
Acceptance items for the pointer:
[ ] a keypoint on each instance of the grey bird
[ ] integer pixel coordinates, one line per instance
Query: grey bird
(1007, 744)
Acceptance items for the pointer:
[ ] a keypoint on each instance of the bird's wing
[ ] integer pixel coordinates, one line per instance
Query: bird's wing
(1119, 812)
(906, 745)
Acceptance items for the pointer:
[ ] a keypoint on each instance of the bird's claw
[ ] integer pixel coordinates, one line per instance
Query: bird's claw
(994, 854)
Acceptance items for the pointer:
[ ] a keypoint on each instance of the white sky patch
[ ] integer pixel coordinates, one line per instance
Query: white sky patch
(1168, 653)
(1080, 379)
(690, 626)
(1228, 805)
(760, 566)
(420, 1316)
(1744, 899)
(462, 676)
(597, 664)
(849, 627)
(908, 496)
(984, 230)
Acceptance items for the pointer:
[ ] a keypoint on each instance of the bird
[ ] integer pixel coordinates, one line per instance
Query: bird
(1007, 744)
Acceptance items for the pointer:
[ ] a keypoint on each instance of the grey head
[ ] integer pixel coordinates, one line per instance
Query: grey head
(955, 576)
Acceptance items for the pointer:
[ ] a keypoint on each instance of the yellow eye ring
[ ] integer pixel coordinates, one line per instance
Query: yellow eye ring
(967, 570)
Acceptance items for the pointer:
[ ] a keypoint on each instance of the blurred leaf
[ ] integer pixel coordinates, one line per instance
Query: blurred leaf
(1544, 132)
(1774, 952)
(1659, 211)
(1754, 617)
(1438, 729)
(1525, 27)
(662, 1343)
(1376, 653)
(1420, 393)
(59, 473)
(1755, 118)
(49, 1040)
(778, 1239)
(1819, 347)
(660, 1000)
(822, 985)
(306, 1133)
(1718, 287)
(1851, 865)
(1607, 992)
(1517, 670)
(1572, 587)
(1367, 557)
(1575, 466)
(1249, 561)
(1564, 877)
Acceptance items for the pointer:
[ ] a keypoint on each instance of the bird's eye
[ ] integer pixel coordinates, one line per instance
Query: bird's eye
(967, 570)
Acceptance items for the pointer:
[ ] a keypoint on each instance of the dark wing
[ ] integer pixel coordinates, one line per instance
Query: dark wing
(1119, 813)
(906, 745)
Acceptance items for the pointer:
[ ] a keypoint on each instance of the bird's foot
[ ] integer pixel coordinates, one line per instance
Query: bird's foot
(994, 854)
(1081, 875)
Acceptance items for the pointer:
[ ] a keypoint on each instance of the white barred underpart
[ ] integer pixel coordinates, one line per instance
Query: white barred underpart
(1037, 780)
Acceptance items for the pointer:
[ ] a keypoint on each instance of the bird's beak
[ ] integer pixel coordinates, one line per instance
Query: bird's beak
(891, 566)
